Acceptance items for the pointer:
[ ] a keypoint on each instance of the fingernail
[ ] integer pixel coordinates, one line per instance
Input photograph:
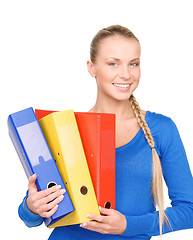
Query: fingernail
(100, 207)
(83, 225)
(88, 216)
(62, 191)
(58, 186)
(61, 197)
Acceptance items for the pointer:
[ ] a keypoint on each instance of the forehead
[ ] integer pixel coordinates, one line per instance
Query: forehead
(119, 47)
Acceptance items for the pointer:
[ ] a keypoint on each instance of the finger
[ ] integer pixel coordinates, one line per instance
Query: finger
(32, 184)
(52, 196)
(51, 205)
(90, 225)
(105, 211)
(48, 214)
(95, 226)
(47, 192)
(96, 217)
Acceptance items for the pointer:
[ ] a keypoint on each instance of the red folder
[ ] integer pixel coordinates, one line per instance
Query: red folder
(97, 132)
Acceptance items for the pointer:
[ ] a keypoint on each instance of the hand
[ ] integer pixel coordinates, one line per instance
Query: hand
(110, 222)
(43, 203)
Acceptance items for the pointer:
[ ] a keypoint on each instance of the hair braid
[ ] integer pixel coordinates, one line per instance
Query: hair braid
(141, 120)
(157, 185)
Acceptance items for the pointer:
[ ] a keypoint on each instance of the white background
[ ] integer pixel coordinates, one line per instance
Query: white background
(44, 46)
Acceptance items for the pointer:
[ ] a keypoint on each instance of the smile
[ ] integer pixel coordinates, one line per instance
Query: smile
(121, 85)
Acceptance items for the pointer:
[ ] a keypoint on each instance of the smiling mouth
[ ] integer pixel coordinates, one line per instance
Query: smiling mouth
(121, 85)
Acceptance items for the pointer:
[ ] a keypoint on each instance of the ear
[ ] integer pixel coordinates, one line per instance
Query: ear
(91, 68)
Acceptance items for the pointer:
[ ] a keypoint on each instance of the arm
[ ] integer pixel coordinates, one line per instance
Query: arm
(39, 204)
(178, 177)
(27, 216)
(179, 180)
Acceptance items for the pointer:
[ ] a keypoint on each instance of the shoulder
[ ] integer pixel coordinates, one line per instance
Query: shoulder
(157, 121)
(163, 129)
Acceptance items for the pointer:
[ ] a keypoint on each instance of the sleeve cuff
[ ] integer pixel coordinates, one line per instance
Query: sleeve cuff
(30, 219)
(139, 225)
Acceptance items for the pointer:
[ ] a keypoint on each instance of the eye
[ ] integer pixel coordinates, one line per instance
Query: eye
(134, 64)
(112, 64)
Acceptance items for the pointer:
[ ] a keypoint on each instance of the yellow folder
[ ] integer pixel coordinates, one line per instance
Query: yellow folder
(61, 132)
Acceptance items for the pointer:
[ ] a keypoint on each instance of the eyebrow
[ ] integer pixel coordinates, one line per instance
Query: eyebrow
(117, 59)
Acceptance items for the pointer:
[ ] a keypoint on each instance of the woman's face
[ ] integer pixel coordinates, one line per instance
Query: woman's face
(117, 67)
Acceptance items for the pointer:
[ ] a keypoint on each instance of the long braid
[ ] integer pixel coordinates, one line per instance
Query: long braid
(157, 185)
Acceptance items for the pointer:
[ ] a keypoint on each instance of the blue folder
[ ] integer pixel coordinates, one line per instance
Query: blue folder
(36, 157)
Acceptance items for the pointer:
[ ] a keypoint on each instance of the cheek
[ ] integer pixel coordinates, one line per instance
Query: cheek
(137, 74)
(105, 77)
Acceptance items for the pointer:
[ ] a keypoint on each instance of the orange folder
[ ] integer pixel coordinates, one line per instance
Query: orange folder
(97, 132)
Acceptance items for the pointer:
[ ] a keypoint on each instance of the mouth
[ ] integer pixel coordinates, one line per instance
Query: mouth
(122, 85)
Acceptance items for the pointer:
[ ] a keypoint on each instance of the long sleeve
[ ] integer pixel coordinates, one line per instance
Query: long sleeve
(29, 218)
(178, 178)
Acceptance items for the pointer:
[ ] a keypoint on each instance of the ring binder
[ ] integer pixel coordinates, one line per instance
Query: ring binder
(35, 156)
(97, 131)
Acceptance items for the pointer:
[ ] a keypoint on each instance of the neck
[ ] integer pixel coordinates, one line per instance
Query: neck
(122, 108)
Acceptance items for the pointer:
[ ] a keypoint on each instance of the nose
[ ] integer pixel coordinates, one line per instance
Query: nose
(124, 72)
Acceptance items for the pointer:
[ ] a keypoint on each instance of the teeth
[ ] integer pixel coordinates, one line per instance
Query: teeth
(122, 85)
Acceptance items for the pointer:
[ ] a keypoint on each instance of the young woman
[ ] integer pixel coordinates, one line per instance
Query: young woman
(147, 145)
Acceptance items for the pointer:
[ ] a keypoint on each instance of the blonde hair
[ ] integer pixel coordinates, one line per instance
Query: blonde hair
(157, 185)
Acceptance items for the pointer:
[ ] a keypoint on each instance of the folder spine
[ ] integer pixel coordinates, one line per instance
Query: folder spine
(17, 142)
(107, 160)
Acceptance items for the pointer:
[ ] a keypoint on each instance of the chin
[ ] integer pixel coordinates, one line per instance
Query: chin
(122, 98)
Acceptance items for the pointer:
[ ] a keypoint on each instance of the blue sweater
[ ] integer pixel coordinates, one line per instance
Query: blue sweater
(133, 187)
